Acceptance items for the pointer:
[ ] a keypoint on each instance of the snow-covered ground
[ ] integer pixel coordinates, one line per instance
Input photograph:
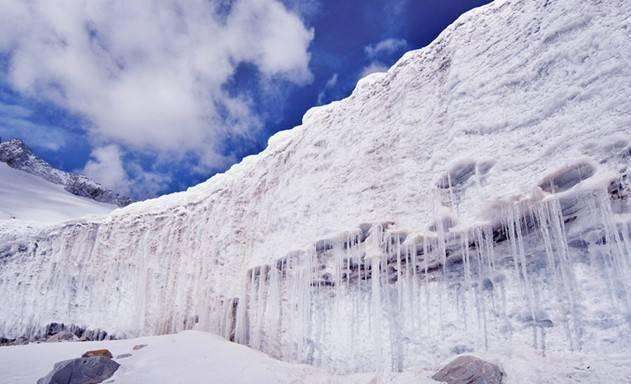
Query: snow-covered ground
(31, 198)
(188, 357)
(192, 357)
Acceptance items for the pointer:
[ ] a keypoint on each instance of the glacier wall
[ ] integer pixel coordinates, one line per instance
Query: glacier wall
(550, 274)
(475, 196)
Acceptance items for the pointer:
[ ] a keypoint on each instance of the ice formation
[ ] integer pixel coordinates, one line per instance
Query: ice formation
(476, 196)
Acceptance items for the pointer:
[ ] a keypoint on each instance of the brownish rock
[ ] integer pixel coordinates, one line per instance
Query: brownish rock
(98, 352)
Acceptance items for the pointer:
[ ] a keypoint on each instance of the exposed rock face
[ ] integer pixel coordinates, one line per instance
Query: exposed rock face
(469, 370)
(91, 370)
(19, 156)
(59, 332)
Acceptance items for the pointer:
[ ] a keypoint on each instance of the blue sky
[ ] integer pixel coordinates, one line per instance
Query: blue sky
(157, 96)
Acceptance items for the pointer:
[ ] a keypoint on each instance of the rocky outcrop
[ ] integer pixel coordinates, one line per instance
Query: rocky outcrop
(469, 370)
(62, 336)
(59, 332)
(91, 370)
(19, 156)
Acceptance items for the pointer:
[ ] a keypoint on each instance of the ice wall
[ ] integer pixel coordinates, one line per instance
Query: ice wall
(491, 169)
(551, 274)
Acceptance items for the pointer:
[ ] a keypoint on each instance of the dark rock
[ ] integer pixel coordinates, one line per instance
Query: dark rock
(80, 332)
(91, 370)
(139, 346)
(460, 349)
(469, 370)
(487, 284)
(62, 336)
(98, 352)
(124, 356)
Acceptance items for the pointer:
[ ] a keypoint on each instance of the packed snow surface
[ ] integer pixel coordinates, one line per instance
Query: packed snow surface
(196, 357)
(31, 198)
(475, 197)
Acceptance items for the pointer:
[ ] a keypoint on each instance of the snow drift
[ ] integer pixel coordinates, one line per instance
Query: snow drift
(474, 197)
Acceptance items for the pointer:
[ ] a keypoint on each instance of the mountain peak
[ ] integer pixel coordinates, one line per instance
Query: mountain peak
(16, 154)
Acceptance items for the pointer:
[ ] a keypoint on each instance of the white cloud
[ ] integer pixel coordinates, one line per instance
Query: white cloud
(330, 84)
(376, 51)
(306, 8)
(149, 75)
(385, 47)
(373, 67)
(107, 167)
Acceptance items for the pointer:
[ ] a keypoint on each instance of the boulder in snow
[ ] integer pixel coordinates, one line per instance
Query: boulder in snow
(90, 370)
(469, 370)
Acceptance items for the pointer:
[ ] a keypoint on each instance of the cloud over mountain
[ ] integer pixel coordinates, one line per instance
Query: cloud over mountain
(151, 75)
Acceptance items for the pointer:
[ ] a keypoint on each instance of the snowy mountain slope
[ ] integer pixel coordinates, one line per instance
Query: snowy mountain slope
(19, 156)
(27, 197)
(475, 197)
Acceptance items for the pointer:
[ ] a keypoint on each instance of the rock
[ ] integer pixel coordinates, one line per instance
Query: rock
(90, 370)
(469, 370)
(123, 356)
(139, 346)
(459, 349)
(62, 336)
(98, 352)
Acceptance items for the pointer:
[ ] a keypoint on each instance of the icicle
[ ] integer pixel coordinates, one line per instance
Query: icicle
(241, 327)
(519, 260)
(467, 276)
(427, 288)
(615, 254)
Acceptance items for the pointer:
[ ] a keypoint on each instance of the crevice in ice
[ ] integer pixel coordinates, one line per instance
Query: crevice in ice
(462, 171)
(567, 177)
